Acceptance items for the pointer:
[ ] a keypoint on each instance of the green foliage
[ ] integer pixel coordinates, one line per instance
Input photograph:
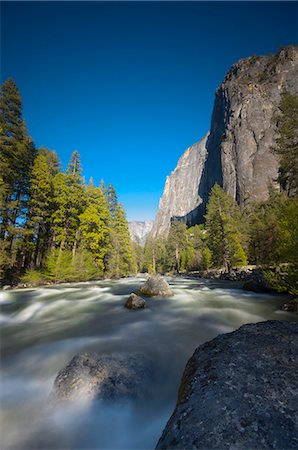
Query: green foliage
(273, 230)
(223, 227)
(33, 277)
(40, 207)
(121, 261)
(287, 143)
(17, 154)
(63, 266)
(176, 246)
(285, 281)
(206, 262)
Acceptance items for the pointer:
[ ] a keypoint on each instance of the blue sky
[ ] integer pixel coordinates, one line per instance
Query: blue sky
(130, 85)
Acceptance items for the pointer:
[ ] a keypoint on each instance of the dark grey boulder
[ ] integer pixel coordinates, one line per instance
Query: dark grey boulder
(239, 391)
(107, 377)
(257, 285)
(156, 286)
(135, 302)
(291, 306)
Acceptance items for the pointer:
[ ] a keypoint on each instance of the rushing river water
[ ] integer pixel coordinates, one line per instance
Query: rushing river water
(42, 329)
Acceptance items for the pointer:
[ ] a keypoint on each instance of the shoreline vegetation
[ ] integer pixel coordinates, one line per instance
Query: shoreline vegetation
(56, 228)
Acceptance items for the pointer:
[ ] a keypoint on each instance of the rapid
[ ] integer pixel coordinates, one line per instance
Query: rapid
(43, 328)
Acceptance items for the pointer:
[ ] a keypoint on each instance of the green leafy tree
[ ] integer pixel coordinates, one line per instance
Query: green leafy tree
(223, 225)
(287, 143)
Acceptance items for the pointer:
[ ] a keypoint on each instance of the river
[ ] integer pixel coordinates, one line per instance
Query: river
(43, 328)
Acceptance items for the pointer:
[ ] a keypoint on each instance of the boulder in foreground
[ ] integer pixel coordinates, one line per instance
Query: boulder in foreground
(239, 391)
(135, 302)
(90, 376)
(156, 287)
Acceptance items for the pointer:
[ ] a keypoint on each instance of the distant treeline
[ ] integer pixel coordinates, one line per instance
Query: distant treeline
(53, 226)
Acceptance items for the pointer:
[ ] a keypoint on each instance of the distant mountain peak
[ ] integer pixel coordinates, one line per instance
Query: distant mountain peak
(139, 230)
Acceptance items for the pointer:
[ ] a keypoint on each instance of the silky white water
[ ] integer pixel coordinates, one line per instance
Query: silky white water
(42, 329)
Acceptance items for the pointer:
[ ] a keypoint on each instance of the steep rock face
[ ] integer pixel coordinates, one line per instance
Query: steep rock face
(237, 154)
(239, 391)
(140, 230)
(181, 197)
(242, 127)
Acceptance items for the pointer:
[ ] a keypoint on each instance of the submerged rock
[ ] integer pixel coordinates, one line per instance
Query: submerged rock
(156, 287)
(135, 302)
(239, 391)
(90, 376)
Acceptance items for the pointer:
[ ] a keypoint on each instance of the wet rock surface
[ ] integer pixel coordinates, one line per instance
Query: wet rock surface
(107, 377)
(135, 302)
(239, 391)
(156, 287)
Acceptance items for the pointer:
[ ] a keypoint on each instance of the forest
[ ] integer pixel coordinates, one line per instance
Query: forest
(55, 227)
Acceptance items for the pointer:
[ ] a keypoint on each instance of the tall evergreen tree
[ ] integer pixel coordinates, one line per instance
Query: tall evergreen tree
(40, 207)
(52, 160)
(94, 226)
(223, 225)
(112, 200)
(69, 203)
(74, 166)
(17, 154)
(176, 243)
(121, 260)
(287, 143)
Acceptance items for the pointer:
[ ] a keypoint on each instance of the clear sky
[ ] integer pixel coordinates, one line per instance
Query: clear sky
(130, 85)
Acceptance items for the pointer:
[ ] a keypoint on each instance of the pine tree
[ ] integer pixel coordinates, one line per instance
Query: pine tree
(223, 224)
(40, 208)
(52, 160)
(287, 143)
(69, 203)
(17, 154)
(112, 200)
(176, 243)
(94, 226)
(121, 260)
(74, 167)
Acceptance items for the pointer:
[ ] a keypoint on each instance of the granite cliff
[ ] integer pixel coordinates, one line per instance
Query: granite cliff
(237, 153)
(181, 197)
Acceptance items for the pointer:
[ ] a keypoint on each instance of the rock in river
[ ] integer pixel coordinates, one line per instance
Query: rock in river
(156, 287)
(135, 302)
(239, 391)
(90, 376)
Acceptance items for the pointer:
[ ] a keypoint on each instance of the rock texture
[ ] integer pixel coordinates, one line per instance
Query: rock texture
(135, 302)
(90, 376)
(239, 391)
(238, 152)
(156, 287)
(181, 197)
(140, 230)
